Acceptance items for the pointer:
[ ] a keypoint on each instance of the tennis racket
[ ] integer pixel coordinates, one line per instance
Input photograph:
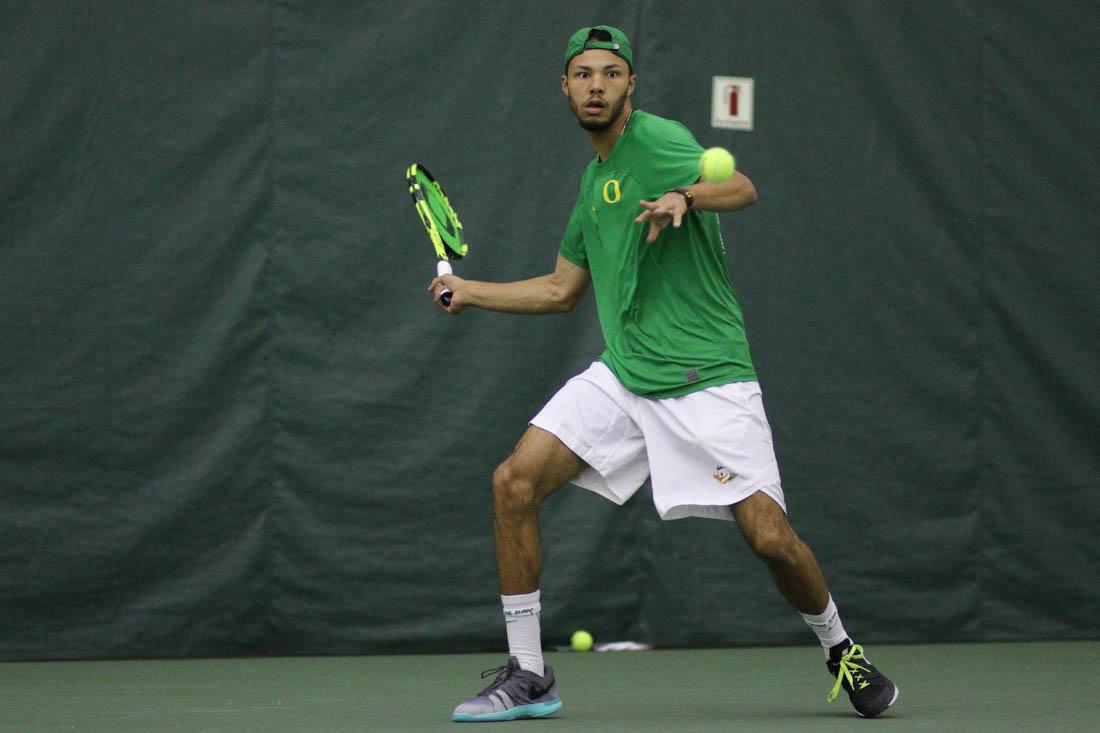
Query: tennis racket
(439, 218)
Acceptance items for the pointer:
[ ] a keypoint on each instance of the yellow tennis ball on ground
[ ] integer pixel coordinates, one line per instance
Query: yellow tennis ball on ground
(581, 641)
(716, 165)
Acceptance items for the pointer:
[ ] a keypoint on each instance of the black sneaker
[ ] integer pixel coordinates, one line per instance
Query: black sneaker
(868, 689)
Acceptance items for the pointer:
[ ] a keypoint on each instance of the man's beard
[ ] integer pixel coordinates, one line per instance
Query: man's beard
(594, 126)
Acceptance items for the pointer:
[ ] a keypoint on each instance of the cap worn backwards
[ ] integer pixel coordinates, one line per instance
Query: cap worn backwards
(604, 37)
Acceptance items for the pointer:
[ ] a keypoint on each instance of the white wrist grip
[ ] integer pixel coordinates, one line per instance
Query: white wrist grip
(442, 267)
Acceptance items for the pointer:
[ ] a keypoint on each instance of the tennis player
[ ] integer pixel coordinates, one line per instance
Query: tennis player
(674, 395)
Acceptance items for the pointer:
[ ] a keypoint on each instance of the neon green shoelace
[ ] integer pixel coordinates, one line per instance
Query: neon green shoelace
(850, 671)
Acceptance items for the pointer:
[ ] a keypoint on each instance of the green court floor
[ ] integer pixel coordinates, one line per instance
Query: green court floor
(965, 687)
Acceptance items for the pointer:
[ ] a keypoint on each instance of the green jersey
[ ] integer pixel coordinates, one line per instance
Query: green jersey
(671, 322)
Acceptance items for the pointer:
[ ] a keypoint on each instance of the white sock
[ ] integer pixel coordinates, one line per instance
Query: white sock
(521, 621)
(830, 631)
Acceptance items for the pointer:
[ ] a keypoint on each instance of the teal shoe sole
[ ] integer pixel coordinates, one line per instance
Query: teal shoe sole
(534, 710)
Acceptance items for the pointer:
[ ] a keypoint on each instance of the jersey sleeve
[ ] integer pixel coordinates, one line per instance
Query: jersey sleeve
(572, 242)
(675, 158)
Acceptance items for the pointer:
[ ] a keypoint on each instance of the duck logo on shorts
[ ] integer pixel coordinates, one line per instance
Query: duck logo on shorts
(723, 475)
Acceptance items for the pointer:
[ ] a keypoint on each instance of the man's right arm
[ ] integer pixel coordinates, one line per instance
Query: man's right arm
(558, 292)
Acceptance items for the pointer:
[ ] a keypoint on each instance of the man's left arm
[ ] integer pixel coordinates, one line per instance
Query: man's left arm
(731, 195)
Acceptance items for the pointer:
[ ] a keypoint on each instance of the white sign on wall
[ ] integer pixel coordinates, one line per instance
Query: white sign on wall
(731, 103)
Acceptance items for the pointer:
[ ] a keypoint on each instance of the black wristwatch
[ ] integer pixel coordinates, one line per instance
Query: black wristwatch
(685, 193)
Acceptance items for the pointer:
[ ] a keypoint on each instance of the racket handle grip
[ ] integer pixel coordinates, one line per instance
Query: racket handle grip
(442, 267)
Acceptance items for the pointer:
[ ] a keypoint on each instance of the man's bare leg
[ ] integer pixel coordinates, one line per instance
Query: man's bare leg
(539, 464)
(790, 560)
(526, 688)
(799, 579)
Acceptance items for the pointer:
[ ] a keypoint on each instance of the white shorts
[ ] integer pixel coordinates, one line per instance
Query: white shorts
(704, 451)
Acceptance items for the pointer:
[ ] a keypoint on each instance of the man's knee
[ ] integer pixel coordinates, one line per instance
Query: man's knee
(513, 487)
(766, 529)
(771, 536)
(774, 544)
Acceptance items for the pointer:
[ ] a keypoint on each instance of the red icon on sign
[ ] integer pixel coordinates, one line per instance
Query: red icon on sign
(731, 97)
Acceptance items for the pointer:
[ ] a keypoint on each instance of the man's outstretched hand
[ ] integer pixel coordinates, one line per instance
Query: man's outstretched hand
(670, 207)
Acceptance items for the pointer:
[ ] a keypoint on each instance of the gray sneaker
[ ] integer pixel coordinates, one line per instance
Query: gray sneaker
(514, 694)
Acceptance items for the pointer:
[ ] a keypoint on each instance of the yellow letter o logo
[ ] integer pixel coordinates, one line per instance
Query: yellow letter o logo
(611, 192)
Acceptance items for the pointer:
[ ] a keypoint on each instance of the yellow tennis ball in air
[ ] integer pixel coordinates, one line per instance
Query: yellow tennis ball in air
(716, 165)
(581, 641)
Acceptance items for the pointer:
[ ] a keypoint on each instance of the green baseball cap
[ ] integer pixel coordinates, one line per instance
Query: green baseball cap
(599, 36)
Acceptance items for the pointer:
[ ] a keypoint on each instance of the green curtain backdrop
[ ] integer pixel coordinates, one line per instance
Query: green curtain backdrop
(231, 420)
